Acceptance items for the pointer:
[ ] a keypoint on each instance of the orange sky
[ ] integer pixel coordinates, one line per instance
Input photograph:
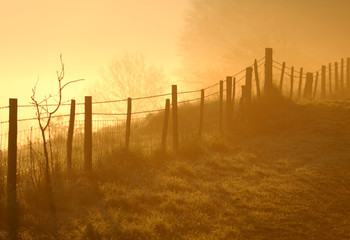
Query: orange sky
(88, 33)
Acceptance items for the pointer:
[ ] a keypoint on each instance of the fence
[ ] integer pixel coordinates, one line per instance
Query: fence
(151, 122)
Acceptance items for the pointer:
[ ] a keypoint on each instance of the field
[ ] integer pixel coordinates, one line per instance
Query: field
(282, 173)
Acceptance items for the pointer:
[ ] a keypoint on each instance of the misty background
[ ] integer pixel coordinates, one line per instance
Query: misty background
(188, 42)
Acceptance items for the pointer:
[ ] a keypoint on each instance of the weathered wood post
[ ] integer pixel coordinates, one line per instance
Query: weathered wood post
(300, 82)
(336, 76)
(221, 102)
(248, 85)
(291, 82)
(165, 124)
(342, 88)
(348, 74)
(88, 134)
(316, 83)
(12, 218)
(330, 78)
(323, 82)
(233, 96)
(70, 135)
(201, 111)
(228, 101)
(175, 118)
(128, 124)
(308, 85)
(282, 76)
(257, 81)
(268, 71)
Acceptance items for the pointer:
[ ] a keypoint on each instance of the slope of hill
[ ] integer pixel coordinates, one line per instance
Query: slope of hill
(284, 173)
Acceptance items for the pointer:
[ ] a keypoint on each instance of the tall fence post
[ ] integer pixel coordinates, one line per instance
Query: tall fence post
(300, 82)
(175, 117)
(257, 81)
(282, 76)
(128, 124)
(348, 74)
(336, 78)
(308, 85)
(221, 102)
(201, 111)
(323, 82)
(248, 85)
(342, 76)
(330, 79)
(165, 124)
(268, 71)
(233, 96)
(316, 83)
(88, 134)
(291, 82)
(70, 135)
(228, 101)
(12, 218)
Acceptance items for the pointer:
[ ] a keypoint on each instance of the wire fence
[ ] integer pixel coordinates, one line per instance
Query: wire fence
(109, 118)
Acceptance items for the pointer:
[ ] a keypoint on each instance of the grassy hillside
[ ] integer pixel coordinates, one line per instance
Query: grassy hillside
(283, 173)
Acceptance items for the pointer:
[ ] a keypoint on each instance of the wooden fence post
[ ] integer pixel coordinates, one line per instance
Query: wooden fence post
(257, 81)
(315, 87)
(348, 74)
(175, 118)
(228, 101)
(88, 134)
(330, 79)
(323, 82)
(221, 102)
(201, 111)
(70, 135)
(336, 76)
(300, 82)
(12, 218)
(308, 85)
(128, 124)
(291, 82)
(165, 124)
(248, 85)
(268, 71)
(233, 96)
(342, 76)
(282, 76)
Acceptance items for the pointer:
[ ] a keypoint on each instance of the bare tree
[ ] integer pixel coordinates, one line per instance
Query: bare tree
(44, 114)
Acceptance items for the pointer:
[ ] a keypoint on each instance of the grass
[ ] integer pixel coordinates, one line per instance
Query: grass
(284, 173)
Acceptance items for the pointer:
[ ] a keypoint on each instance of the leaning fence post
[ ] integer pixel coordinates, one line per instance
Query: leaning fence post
(88, 134)
(248, 85)
(282, 75)
(175, 117)
(12, 171)
(70, 135)
(291, 82)
(300, 82)
(308, 85)
(165, 124)
(228, 101)
(268, 71)
(128, 125)
(316, 82)
(201, 111)
(323, 82)
(221, 104)
(256, 71)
